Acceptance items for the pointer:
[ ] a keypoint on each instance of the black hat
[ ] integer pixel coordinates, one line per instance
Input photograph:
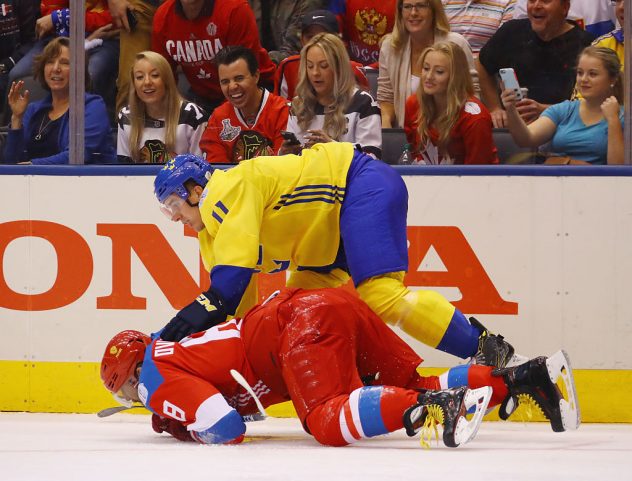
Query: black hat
(324, 18)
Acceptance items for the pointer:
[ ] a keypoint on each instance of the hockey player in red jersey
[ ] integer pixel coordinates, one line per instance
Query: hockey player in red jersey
(348, 375)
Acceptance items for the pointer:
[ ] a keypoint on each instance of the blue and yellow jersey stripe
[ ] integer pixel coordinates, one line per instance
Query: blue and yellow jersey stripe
(276, 212)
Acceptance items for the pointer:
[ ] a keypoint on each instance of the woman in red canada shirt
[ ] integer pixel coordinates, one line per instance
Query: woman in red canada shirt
(452, 126)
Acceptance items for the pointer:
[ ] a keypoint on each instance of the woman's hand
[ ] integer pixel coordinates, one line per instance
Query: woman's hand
(288, 147)
(18, 101)
(509, 99)
(107, 31)
(610, 109)
(44, 26)
(529, 109)
(316, 136)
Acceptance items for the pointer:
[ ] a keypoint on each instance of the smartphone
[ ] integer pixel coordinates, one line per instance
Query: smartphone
(509, 78)
(290, 137)
(131, 19)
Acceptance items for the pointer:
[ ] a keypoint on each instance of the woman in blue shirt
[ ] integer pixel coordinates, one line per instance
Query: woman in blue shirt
(39, 130)
(584, 131)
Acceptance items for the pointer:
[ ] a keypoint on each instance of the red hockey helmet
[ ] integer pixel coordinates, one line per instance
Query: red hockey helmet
(122, 354)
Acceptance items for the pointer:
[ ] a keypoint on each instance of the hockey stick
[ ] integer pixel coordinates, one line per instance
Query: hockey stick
(260, 416)
(104, 413)
(243, 383)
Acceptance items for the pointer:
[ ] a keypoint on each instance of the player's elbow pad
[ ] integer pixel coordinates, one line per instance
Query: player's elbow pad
(228, 430)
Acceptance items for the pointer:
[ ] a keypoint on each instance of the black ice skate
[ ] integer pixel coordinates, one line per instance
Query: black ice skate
(493, 350)
(448, 408)
(536, 380)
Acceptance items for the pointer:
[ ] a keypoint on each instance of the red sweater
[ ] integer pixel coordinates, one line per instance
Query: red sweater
(470, 141)
(228, 139)
(193, 44)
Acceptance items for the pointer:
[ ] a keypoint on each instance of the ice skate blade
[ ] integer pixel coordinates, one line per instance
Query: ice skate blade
(516, 360)
(559, 366)
(466, 430)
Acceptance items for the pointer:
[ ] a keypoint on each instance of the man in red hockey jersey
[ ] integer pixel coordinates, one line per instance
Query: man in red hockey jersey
(348, 375)
(189, 33)
(250, 122)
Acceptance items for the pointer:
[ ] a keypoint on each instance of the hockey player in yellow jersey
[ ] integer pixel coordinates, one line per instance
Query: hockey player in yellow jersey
(330, 213)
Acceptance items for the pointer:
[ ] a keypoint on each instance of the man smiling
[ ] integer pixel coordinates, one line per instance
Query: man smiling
(250, 122)
(542, 49)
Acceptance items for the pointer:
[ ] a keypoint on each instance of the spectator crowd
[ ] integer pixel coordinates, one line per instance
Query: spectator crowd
(229, 80)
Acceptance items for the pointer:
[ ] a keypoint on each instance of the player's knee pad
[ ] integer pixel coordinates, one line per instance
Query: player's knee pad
(423, 314)
(382, 293)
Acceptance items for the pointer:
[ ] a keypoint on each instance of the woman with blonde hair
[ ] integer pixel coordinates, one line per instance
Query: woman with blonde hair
(418, 25)
(157, 123)
(583, 131)
(328, 105)
(452, 126)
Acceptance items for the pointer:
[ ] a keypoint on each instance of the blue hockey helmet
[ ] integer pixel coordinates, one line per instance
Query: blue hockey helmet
(171, 178)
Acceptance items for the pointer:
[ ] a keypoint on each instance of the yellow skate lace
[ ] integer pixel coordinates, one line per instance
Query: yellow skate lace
(429, 429)
(528, 406)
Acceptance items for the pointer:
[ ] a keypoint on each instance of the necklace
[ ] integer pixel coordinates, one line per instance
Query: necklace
(43, 127)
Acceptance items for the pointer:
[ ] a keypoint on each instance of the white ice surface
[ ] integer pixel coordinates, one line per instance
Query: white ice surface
(61, 447)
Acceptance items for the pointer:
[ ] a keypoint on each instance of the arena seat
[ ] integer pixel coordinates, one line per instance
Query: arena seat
(371, 76)
(393, 141)
(508, 151)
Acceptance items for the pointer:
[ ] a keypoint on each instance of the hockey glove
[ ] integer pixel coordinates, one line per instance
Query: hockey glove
(171, 426)
(205, 312)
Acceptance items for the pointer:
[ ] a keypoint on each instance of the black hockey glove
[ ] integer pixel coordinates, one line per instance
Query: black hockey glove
(205, 312)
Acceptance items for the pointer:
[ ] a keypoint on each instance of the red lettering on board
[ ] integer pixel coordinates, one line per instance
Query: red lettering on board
(74, 265)
(463, 270)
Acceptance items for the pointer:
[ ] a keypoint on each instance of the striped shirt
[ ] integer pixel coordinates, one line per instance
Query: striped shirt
(477, 20)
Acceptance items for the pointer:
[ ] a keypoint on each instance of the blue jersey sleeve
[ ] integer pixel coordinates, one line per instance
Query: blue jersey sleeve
(230, 283)
(229, 429)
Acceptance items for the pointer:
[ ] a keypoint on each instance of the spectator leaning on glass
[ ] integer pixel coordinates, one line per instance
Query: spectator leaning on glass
(452, 126)
(158, 123)
(542, 50)
(328, 106)
(418, 24)
(585, 131)
(39, 130)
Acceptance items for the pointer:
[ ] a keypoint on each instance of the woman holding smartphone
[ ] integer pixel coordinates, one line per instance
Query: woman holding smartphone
(452, 126)
(584, 131)
(329, 106)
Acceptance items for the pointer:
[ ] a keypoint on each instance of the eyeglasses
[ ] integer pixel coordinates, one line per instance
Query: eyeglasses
(408, 7)
(614, 3)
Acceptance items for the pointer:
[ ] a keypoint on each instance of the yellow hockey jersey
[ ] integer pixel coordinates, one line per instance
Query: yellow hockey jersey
(276, 213)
